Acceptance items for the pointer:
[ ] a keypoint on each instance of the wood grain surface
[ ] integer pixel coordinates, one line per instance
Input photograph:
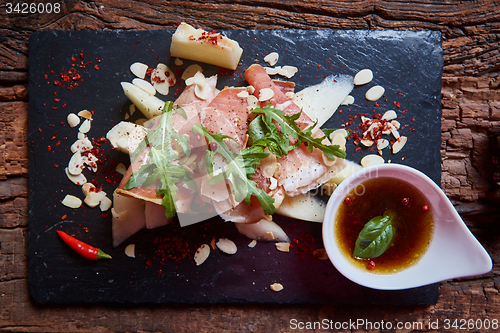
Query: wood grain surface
(471, 113)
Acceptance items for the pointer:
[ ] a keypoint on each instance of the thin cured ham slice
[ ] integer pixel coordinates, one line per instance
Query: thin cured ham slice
(257, 76)
(227, 114)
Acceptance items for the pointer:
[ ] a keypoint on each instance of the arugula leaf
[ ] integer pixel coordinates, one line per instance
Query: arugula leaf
(161, 167)
(264, 133)
(239, 170)
(375, 237)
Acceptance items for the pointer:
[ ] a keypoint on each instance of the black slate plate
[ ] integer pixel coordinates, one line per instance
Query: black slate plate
(407, 64)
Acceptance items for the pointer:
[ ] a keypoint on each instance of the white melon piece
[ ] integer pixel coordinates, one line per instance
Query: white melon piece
(126, 136)
(155, 215)
(321, 101)
(303, 206)
(264, 230)
(128, 217)
(203, 46)
(150, 106)
(350, 168)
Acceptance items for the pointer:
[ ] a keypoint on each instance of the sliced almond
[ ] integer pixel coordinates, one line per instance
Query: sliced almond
(78, 180)
(320, 254)
(251, 89)
(81, 145)
(178, 62)
(121, 168)
(389, 115)
(283, 246)
(272, 58)
(399, 144)
(288, 71)
(139, 69)
(363, 77)
(71, 201)
(127, 116)
(366, 143)
(201, 254)
(349, 100)
(90, 161)
(268, 236)
(130, 251)
(290, 94)
(73, 120)
(243, 94)
(272, 70)
(162, 78)
(85, 114)
(382, 143)
(202, 92)
(226, 246)
(253, 102)
(80, 136)
(131, 108)
(191, 71)
(87, 188)
(75, 165)
(274, 183)
(93, 199)
(266, 94)
(252, 243)
(105, 204)
(84, 127)
(396, 124)
(374, 93)
(144, 85)
(276, 287)
(371, 159)
(365, 119)
(394, 131)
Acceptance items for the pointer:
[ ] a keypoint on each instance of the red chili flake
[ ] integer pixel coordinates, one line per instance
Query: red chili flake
(397, 104)
(64, 105)
(64, 217)
(406, 201)
(56, 165)
(347, 200)
(425, 208)
(159, 272)
(49, 148)
(319, 66)
(74, 59)
(104, 215)
(40, 129)
(371, 265)
(54, 136)
(96, 67)
(81, 54)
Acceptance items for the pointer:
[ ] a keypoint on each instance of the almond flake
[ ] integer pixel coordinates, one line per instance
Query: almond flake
(85, 114)
(105, 204)
(121, 169)
(382, 143)
(93, 199)
(272, 70)
(349, 100)
(251, 89)
(84, 127)
(266, 94)
(178, 62)
(399, 144)
(243, 94)
(363, 77)
(71, 201)
(252, 243)
(374, 93)
(396, 124)
(130, 251)
(320, 254)
(75, 165)
(131, 109)
(191, 71)
(389, 115)
(81, 145)
(139, 69)
(144, 85)
(272, 58)
(283, 246)
(366, 143)
(73, 120)
(201, 254)
(371, 159)
(253, 102)
(78, 180)
(288, 71)
(226, 246)
(290, 94)
(276, 287)
(162, 78)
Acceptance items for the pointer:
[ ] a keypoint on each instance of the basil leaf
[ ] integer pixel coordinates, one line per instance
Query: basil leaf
(375, 237)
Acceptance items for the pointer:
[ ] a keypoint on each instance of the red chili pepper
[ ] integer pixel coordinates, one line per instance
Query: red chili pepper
(82, 248)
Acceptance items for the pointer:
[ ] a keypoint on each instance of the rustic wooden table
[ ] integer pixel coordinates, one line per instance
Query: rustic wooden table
(471, 111)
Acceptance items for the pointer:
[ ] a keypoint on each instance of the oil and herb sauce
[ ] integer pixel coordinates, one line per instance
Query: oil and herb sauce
(413, 222)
